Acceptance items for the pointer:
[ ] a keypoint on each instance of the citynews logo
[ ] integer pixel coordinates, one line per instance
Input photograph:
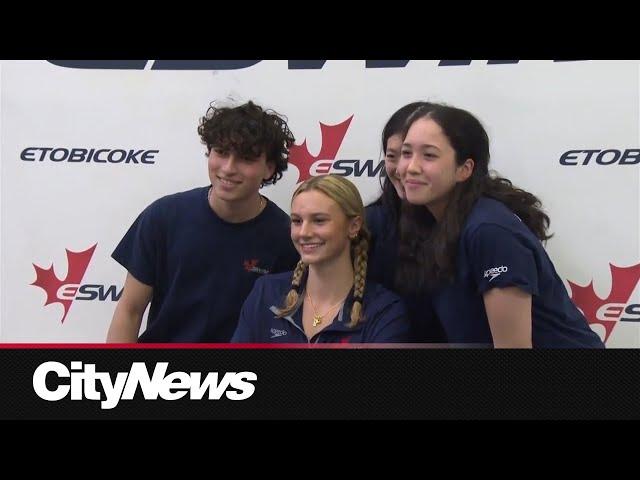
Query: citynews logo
(83, 381)
(325, 161)
(83, 155)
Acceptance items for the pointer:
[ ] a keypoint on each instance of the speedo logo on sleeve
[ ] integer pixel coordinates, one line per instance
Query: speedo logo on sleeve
(82, 381)
(495, 271)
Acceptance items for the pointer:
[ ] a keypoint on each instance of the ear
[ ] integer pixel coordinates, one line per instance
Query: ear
(464, 171)
(355, 224)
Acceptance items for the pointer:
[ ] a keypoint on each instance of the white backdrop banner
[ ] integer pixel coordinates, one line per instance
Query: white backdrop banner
(85, 146)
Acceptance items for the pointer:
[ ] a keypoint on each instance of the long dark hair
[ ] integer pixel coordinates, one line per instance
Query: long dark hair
(428, 249)
(389, 198)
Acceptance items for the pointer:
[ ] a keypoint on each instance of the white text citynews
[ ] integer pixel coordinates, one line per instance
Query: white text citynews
(83, 380)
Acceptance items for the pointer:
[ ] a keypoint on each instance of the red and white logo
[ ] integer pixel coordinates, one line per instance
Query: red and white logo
(616, 307)
(309, 165)
(63, 291)
(251, 265)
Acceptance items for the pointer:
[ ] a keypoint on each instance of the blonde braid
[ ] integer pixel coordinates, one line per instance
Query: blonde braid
(360, 257)
(292, 297)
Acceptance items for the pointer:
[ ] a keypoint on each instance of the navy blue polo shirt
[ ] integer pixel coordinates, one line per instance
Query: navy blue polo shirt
(381, 268)
(384, 317)
(497, 250)
(383, 247)
(201, 267)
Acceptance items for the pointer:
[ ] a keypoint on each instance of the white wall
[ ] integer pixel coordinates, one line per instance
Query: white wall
(534, 111)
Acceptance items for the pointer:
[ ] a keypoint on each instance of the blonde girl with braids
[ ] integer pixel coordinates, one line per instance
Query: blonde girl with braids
(326, 299)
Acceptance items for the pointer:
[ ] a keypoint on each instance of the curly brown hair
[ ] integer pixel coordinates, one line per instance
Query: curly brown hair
(248, 130)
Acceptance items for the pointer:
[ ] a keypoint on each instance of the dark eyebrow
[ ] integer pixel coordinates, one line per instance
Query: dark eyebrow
(426, 145)
(423, 146)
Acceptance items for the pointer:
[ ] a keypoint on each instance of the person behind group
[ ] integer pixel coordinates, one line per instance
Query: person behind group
(327, 298)
(479, 251)
(195, 255)
(383, 223)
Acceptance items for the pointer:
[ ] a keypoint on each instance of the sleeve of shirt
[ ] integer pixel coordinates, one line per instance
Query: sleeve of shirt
(248, 321)
(500, 258)
(138, 249)
(390, 325)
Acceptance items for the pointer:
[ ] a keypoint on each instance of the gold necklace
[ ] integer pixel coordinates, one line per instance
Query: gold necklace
(317, 318)
(260, 201)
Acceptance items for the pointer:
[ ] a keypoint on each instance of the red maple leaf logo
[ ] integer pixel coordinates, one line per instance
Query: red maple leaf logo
(331, 139)
(47, 280)
(623, 282)
(250, 264)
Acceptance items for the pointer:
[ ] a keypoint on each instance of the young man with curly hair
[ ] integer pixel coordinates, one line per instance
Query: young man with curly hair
(195, 255)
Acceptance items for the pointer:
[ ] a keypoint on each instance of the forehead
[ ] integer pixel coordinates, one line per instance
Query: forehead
(394, 141)
(257, 156)
(313, 201)
(233, 141)
(426, 131)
